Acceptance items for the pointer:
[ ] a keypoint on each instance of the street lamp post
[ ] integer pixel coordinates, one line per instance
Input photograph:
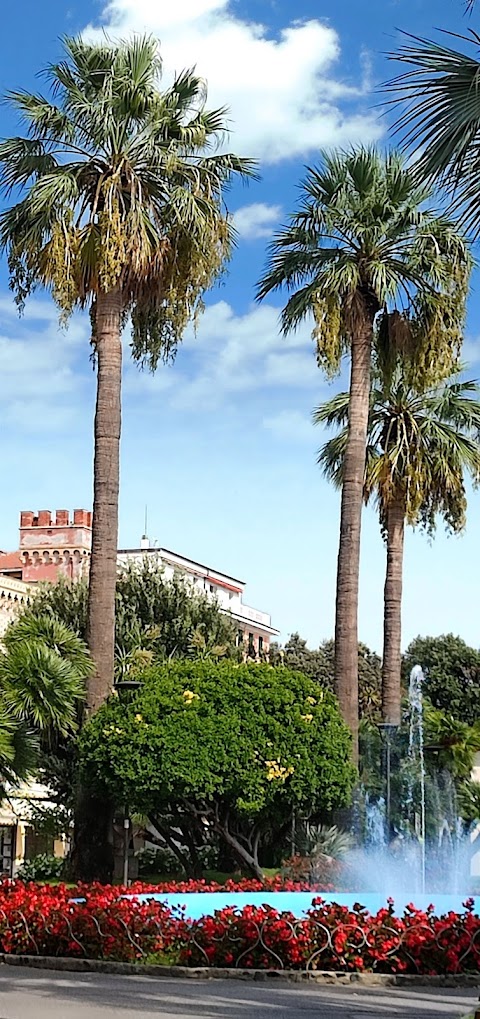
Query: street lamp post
(387, 730)
(123, 687)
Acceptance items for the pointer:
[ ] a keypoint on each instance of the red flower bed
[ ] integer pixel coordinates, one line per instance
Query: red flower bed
(43, 920)
(246, 884)
(334, 937)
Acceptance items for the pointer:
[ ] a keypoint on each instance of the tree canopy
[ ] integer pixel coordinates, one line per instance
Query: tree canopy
(155, 617)
(421, 444)
(318, 664)
(452, 673)
(119, 185)
(439, 115)
(223, 747)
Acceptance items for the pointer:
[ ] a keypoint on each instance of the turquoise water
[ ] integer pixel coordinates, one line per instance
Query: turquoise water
(197, 904)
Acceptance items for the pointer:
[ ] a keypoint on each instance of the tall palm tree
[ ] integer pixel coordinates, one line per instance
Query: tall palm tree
(420, 446)
(439, 119)
(121, 211)
(362, 246)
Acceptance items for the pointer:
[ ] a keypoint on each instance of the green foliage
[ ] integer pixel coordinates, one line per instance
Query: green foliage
(42, 681)
(318, 664)
(54, 820)
(452, 674)
(156, 620)
(121, 186)
(439, 116)
(43, 867)
(326, 840)
(154, 616)
(43, 673)
(167, 617)
(452, 742)
(233, 747)
(469, 801)
(363, 238)
(158, 861)
(420, 445)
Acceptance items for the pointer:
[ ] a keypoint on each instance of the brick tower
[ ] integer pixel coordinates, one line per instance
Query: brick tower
(53, 544)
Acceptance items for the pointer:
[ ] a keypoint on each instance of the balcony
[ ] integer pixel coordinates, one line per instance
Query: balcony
(253, 615)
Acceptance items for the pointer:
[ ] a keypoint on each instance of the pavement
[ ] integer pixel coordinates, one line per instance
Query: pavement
(30, 994)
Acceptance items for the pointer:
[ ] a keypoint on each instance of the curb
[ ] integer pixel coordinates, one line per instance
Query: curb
(320, 977)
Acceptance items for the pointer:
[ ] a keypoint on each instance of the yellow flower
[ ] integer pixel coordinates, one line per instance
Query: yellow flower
(189, 696)
(311, 700)
(139, 718)
(277, 772)
(306, 718)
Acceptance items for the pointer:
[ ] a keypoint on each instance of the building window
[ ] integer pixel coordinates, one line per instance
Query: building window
(240, 638)
(212, 589)
(260, 645)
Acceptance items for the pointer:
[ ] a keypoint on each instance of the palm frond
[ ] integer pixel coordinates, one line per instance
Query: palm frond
(439, 116)
(363, 234)
(421, 445)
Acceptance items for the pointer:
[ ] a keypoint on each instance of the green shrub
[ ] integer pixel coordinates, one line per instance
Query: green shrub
(41, 868)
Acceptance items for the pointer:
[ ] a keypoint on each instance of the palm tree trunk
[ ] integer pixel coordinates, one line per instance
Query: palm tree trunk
(346, 609)
(106, 476)
(92, 855)
(392, 617)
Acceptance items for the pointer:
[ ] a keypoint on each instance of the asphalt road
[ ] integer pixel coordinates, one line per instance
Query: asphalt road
(31, 994)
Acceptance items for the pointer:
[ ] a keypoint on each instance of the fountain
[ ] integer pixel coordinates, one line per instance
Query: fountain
(414, 842)
(416, 760)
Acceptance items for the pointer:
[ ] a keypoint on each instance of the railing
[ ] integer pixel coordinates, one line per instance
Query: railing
(241, 942)
(252, 614)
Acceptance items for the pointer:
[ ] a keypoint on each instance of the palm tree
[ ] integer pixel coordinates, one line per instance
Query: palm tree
(439, 120)
(453, 743)
(361, 243)
(122, 211)
(43, 672)
(420, 446)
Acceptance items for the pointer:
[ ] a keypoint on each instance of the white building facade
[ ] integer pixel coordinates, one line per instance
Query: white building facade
(254, 627)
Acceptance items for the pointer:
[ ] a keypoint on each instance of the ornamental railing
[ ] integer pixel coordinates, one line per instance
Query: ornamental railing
(247, 943)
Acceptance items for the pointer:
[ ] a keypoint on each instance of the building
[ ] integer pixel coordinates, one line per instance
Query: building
(13, 594)
(254, 626)
(59, 544)
(18, 839)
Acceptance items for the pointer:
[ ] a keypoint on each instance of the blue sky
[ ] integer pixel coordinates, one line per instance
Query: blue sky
(220, 446)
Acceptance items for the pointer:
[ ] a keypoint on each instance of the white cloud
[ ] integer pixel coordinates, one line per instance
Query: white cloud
(257, 220)
(230, 356)
(35, 308)
(471, 351)
(281, 88)
(41, 386)
(290, 425)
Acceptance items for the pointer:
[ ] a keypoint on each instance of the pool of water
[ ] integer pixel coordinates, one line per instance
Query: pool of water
(197, 904)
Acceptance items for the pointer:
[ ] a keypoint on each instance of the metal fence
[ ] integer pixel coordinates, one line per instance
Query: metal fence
(272, 943)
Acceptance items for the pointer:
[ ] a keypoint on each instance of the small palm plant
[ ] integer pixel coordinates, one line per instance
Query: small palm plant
(43, 675)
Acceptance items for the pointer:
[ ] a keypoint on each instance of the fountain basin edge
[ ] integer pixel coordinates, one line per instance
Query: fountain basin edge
(198, 904)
